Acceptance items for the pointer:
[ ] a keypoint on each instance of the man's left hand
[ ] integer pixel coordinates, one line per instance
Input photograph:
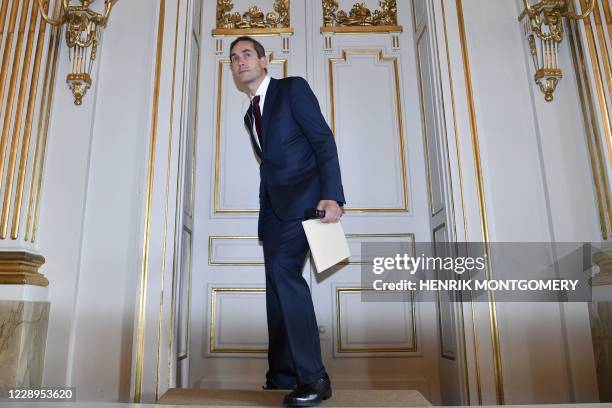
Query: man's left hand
(333, 211)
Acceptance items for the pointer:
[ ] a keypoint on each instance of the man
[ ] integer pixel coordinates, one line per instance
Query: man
(299, 169)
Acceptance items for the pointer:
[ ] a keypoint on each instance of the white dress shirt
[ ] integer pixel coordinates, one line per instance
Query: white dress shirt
(261, 91)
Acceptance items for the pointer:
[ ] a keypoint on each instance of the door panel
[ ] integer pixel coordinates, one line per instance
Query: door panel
(367, 88)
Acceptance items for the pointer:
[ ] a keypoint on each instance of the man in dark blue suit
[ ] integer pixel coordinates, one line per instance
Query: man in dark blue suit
(299, 169)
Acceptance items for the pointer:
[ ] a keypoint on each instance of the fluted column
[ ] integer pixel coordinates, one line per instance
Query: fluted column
(28, 56)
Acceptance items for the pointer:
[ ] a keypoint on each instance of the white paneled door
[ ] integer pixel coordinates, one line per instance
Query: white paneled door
(368, 90)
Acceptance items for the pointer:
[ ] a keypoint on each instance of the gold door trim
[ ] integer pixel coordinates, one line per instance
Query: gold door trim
(213, 319)
(433, 211)
(463, 213)
(400, 124)
(413, 15)
(166, 204)
(339, 345)
(451, 356)
(212, 262)
(144, 267)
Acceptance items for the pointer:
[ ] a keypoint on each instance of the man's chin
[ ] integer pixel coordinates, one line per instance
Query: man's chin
(245, 80)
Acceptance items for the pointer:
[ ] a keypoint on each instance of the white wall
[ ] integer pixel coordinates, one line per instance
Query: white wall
(536, 176)
(537, 188)
(92, 207)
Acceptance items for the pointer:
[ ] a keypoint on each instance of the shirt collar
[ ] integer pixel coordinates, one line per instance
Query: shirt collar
(263, 88)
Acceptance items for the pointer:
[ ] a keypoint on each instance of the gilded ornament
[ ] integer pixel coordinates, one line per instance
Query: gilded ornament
(282, 8)
(83, 32)
(359, 15)
(271, 20)
(330, 8)
(543, 29)
(224, 19)
(253, 18)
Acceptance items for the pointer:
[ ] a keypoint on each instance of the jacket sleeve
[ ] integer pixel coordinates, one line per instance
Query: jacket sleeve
(307, 113)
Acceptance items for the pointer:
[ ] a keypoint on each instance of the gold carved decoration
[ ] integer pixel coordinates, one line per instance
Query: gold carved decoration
(252, 21)
(360, 18)
(82, 36)
(544, 31)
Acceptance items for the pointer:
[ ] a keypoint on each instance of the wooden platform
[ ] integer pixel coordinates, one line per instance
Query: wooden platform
(271, 398)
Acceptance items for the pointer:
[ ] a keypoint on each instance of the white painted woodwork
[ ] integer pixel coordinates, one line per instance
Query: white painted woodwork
(536, 183)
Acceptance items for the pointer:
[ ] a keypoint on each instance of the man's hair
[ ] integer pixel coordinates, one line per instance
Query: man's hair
(261, 52)
(259, 49)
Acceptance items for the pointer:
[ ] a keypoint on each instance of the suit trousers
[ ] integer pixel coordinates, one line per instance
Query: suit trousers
(294, 349)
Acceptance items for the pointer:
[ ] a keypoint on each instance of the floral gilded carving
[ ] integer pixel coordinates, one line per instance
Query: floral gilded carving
(253, 18)
(359, 15)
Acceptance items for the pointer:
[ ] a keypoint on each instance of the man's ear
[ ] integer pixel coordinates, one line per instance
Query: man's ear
(263, 61)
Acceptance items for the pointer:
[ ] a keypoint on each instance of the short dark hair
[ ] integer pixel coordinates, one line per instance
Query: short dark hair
(259, 49)
(261, 52)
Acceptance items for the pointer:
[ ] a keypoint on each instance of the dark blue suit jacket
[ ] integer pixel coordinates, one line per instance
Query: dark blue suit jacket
(299, 162)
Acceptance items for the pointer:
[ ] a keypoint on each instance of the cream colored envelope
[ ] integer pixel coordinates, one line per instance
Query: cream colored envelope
(328, 244)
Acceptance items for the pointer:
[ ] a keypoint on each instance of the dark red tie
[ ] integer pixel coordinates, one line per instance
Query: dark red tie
(257, 113)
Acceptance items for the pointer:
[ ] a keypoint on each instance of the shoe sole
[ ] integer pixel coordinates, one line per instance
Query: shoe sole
(324, 397)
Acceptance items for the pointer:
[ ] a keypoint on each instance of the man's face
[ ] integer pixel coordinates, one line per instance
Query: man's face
(246, 66)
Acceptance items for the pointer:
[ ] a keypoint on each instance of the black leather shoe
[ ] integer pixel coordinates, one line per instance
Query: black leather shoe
(311, 394)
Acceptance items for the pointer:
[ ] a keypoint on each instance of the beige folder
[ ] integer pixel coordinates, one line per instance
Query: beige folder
(328, 244)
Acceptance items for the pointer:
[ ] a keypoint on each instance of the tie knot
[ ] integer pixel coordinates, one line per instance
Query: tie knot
(256, 99)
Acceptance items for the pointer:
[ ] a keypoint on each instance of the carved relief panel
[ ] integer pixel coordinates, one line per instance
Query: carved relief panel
(254, 19)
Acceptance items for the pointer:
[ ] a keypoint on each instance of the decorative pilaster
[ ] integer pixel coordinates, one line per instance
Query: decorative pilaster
(28, 58)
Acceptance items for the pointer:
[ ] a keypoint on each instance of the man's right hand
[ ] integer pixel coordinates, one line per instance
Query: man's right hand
(333, 211)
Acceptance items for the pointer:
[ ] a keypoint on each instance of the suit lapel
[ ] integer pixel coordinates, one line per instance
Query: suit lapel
(248, 123)
(268, 105)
